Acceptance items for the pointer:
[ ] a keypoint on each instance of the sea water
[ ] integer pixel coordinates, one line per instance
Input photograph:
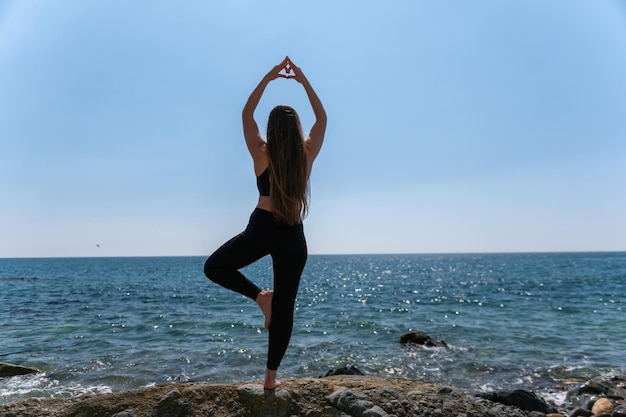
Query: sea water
(528, 321)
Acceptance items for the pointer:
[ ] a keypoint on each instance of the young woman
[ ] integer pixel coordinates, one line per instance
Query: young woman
(282, 164)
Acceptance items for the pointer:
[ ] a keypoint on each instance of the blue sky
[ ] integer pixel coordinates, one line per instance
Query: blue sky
(454, 126)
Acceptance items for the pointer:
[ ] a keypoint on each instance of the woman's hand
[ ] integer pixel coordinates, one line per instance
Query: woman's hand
(275, 72)
(297, 72)
(290, 71)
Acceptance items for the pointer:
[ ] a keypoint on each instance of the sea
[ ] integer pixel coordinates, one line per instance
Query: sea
(533, 321)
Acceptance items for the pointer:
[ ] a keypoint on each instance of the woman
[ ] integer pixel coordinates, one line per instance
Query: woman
(282, 166)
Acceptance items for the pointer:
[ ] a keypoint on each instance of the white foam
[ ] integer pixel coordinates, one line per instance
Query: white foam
(40, 385)
(556, 398)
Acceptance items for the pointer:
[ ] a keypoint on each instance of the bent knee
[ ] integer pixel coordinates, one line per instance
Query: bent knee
(211, 270)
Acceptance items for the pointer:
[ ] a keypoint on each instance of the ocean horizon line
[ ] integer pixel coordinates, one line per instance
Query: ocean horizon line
(555, 252)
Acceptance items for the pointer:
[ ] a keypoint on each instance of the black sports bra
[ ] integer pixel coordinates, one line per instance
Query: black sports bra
(263, 183)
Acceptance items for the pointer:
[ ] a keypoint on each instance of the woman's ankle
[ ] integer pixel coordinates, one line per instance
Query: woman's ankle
(270, 380)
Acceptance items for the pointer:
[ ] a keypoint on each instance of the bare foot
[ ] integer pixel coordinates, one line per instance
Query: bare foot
(271, 383)
(264, 300)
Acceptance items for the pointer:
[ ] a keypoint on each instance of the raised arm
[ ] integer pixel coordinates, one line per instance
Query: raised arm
(316, 136)
(251, 133)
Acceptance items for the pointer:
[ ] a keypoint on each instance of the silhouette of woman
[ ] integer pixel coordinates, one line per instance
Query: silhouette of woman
(282, 166)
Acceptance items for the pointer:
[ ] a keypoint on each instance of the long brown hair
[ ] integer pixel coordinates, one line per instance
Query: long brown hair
(289, 177)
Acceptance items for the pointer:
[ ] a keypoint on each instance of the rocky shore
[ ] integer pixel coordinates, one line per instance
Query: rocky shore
(341, 395)
(332, 396)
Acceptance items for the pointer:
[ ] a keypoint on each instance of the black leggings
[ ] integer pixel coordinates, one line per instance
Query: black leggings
(287, 247)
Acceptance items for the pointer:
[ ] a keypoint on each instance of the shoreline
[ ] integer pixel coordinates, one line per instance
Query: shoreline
(333, 396)
(351, 395)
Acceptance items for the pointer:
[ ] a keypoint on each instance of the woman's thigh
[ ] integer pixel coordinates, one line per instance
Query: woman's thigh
(288, 262)
(245, 248)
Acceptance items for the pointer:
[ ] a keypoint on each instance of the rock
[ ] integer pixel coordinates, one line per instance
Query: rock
(251, 392)
(418, 338)
(170, 406)
(374, 411)
(602, 406)
(354, 403)
(619, 411)
(587, 401)
(524, 400)
(343, 399)
(260, 402)
(580, 412)
(613, 388)
(8, 370)
(593, 387)
(616, 392)
(181, 379)
(390, 400)
(346, 370)
(333, 396)
(125, 413)
(385, 393)
(587, 393)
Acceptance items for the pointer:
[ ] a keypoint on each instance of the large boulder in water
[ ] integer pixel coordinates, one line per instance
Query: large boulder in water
(345, 370)
(8, 370)
(419, 338)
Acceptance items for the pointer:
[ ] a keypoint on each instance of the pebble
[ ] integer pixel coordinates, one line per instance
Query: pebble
(602, 406)
(619, 411)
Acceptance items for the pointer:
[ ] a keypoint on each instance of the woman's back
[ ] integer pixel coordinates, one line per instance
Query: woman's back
(286, 155)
